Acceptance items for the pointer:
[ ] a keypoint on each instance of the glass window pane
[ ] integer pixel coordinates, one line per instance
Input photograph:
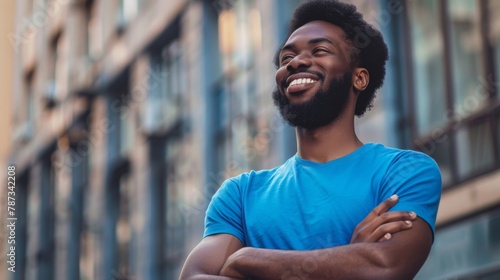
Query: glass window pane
(61, 67)
(127, 131)
(428, 65)
(439, 149)
(467, 56)
(128, 9)
(494, 8)
(221, 108)
(123, 228)
(474, 149)
(175, 220)
(462, 251)
(240, 34)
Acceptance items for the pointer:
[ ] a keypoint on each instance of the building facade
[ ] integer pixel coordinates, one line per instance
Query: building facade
(7, 14)
(128, 116)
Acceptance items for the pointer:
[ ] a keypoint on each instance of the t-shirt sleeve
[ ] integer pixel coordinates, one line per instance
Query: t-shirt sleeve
(224, 213)
(416, 179)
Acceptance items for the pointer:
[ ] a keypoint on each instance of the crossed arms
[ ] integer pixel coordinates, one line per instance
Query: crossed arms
(385, 245)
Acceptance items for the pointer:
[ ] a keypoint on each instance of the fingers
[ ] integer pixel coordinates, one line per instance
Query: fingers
(380, 225)
(386, 205)
(379, 210)
(377, 228)
(390, 222)
(386, 237)
(385, 231)
(394, 216)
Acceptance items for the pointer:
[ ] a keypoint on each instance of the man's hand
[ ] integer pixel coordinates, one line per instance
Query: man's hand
(379, 225)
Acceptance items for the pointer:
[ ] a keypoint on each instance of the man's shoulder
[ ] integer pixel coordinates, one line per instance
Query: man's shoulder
(261, 175)
(396, 161)
(403, 163)
(398, 156)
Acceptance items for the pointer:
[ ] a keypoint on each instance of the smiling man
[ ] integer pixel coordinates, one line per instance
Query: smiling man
(312, 217)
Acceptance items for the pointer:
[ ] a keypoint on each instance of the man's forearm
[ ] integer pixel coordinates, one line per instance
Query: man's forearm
(356, 261)
(398, 258)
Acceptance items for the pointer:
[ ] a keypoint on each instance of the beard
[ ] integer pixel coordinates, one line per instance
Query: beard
(322, 109)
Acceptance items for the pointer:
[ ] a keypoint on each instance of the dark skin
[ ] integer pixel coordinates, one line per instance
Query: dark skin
(218, 256)
(319, 47)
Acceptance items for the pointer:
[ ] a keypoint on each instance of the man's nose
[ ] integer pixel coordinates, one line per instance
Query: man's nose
(300, 61)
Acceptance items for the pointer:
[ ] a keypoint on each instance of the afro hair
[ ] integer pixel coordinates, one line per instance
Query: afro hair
(368, 47)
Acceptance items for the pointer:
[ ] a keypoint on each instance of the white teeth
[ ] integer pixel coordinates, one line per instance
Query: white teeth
(302, 81)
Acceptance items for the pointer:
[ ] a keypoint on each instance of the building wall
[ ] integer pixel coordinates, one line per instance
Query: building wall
(115, 131)
(7, 14)
(128, 116)
(452, 69)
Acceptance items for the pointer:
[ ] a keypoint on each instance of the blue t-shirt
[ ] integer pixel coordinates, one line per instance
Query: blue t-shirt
(304, 205)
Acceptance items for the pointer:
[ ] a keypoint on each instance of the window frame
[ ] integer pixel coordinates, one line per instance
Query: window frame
(450, 128)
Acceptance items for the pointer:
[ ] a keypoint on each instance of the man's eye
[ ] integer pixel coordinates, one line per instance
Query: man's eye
(320, 51)
(286, 58)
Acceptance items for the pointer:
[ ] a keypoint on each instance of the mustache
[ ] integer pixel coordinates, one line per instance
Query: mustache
(283, 82)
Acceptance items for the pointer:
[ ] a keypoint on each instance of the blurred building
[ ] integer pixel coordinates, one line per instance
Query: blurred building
(129, 114)
(7, 16)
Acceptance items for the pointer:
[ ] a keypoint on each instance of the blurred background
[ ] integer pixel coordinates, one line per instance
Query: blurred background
(123, 117)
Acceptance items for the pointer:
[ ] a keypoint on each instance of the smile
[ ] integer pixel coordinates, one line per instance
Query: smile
(300, 84)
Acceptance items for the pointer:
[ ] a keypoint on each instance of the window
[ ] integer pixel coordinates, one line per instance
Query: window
(468, 250)
(475, 144)
(123, 226)
(239, 34)
(122, 117)
(240, 39)
(494, 8)
(175, 220)
(242, 127)
(467, 56)
(92, 149)
(57, 86)
(33, 222)
(127, 130)
(61, 203)
(166, 85)
(28, 118)
(93, 30)
(453, 122)
(46, 237)
(120, 138)
(61, 67)
(118, 232)
(222, 123)
(126, 12)
(428, 65)
(440, 150)
(74, 191)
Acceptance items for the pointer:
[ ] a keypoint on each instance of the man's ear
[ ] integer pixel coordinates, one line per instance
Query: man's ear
(360, 79)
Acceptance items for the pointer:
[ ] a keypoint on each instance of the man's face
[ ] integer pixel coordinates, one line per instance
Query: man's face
(314, 78)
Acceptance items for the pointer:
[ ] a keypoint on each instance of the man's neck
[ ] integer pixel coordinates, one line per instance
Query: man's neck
(329, 142)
